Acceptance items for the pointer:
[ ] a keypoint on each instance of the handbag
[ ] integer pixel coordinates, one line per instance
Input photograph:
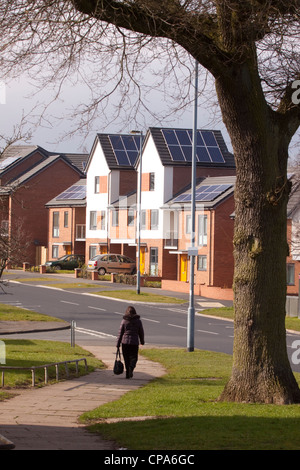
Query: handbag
(118, 366)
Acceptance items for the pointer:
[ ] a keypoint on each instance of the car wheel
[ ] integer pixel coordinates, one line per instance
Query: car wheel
(58, 267)
(102, 271)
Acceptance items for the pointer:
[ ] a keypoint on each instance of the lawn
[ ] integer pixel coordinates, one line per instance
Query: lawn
(188, 413)
(291, 323)
(12, 313)
(26, 353)
(128, 294)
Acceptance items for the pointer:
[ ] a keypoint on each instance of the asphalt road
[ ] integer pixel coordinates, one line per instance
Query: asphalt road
(98, 318)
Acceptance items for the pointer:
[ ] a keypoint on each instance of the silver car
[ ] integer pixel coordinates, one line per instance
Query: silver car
(112, 263)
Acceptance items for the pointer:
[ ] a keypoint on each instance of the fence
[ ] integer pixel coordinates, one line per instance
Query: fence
(45, 367)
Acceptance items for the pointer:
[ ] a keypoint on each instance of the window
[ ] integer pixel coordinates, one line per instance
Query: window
(93, 220)
(290, 274)
(54, 251)
(202, 230)
(96, 185)
(153, 261)
(202, 263)
(103, 220)
(66, 219)
(151, 181)
(115, 218)
(188, 224)
(92, 251)
(55, 224)
(130, 221)
(154, 219)
(143, 220)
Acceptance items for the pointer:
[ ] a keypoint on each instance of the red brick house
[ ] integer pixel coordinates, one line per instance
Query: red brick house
(293, 235)
(30, 177)
(66, 227)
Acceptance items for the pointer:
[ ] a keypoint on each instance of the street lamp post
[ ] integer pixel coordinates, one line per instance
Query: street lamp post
(192, 250)
(139, 199)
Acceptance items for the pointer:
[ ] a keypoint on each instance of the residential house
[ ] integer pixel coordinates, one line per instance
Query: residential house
(293, 234)
(31, 176)
(213, 271)
(66, 227)
(110, 180)
(166, 172)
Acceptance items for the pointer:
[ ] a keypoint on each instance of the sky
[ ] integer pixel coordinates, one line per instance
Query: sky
(19, 97)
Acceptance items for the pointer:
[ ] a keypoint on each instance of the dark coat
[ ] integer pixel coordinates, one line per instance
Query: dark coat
(131, 331)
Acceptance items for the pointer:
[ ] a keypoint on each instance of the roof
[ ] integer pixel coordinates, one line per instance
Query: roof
(15, 153)
(75, 195)
(174, 147)
(120, 150)
(210, 192)
(125, 202)
(77, 159)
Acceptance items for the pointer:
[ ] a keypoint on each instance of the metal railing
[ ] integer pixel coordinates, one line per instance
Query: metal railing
(45, 367)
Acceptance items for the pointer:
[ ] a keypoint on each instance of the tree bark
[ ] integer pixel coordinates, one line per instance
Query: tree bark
(261, 370)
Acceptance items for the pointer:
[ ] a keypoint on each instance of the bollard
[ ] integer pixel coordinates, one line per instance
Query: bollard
(73, 326)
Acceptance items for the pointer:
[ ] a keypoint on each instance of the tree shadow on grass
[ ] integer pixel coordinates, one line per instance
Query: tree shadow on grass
(205, 433)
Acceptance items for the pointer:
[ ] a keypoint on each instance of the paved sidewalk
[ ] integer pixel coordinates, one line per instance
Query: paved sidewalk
(47, 418)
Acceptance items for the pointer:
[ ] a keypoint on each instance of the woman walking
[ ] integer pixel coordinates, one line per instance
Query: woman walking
(130, 334)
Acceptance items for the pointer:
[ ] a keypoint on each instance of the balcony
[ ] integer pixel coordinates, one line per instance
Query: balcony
(80, 232)
(171, 240)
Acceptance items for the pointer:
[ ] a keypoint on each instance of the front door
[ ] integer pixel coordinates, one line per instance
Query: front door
(142, 260)
(183, 268)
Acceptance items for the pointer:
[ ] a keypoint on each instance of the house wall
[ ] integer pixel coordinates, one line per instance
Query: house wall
(22, 167)
(76, 216)
(28, 202)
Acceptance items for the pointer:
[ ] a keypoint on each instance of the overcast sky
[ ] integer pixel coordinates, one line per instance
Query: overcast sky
(18, 97)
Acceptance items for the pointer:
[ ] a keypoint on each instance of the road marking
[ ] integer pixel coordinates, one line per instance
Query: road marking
(149, 319)
(99, 334)
(98, 308)
(66, 302)
(210, 304)
(209, 332)
(177, 326)
(119, 313)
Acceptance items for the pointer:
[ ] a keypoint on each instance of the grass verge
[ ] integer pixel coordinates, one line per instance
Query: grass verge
(127, 294)
(12, 313)
(189, 416)
(27, 353)
(291, 323)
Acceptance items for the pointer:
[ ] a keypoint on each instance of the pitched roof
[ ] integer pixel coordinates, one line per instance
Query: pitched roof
(120, 150)
(75, 195)
(210, 192)
(15, 153)
(174, 147)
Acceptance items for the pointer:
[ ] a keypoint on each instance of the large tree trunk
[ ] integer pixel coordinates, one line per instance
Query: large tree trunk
(261, 370)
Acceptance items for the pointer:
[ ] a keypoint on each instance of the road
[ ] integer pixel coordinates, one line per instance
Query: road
(98, 319)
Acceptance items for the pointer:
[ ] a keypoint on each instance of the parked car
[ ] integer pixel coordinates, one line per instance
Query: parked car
(112, 263)
(67, 262)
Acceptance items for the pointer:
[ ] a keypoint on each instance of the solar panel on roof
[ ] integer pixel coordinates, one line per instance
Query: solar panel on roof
(74, 192)
(8, 161)
(179, 143)
(126, 148)
(206, 193)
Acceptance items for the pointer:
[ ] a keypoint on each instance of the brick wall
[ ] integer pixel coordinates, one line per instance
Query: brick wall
(28, 202)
